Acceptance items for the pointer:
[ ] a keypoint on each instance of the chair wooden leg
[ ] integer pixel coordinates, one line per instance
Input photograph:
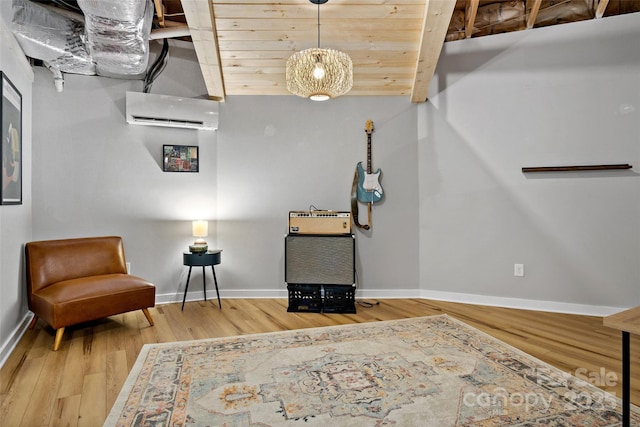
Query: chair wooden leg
(148, 315)
(33, 321)
(58, 340)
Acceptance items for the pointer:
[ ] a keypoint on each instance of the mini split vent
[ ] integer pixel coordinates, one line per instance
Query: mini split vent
(171, 111)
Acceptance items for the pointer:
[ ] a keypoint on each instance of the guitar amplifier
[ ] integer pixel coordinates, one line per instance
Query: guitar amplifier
(320, 260)
(319, 222)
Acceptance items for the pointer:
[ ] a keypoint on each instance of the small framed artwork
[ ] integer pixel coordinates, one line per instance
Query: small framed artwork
(11, 150)
(180, 158)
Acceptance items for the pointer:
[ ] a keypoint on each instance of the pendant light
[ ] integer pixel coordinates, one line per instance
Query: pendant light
(319, 74)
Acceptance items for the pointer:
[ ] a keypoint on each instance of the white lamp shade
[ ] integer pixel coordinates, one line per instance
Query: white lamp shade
(200, 228)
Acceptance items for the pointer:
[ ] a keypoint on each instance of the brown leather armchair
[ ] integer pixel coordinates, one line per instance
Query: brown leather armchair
(71, 281)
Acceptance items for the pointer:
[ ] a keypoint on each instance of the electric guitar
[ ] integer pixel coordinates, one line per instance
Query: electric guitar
(369, 188)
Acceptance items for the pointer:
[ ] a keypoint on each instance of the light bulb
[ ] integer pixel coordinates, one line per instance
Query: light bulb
(318, 71)
(319, 97)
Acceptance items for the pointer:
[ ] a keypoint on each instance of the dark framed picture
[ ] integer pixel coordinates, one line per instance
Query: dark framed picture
(180, 158)
(11, 150)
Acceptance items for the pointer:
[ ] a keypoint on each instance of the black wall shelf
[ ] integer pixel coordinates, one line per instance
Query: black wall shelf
(576, 168)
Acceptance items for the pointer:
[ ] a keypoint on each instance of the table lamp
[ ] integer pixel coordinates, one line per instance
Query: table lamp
(199, 229)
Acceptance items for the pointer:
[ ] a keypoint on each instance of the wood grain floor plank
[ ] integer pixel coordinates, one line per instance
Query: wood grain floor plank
(73, 371)
(18, 397)
(93, 405)
(116, 374)
(66, 412)
(44, 396)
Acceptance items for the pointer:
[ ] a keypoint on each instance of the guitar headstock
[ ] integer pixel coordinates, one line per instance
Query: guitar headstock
(368, 127)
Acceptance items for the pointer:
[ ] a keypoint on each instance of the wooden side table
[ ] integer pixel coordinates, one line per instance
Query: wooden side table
(628, 322)
(204, 259)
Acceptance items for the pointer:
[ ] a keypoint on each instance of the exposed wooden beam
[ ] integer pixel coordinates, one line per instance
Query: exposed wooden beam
(533, 14)
(471, 10)
(602, 6)
(201, 21)
(172, 24)
(159, 11)
(437, 15)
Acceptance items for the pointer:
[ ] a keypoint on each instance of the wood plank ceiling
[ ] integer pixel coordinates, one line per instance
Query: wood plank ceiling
(242, 45)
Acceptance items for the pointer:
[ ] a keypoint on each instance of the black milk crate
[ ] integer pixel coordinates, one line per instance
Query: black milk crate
(339, 299)
(305, 298)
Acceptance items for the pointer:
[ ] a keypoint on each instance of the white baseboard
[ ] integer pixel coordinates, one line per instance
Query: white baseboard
(224, 294)
(10, 344)
(523, 304)
(519, 303)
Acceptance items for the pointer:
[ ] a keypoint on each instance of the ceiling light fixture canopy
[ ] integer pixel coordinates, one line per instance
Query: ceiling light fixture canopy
(319, 74)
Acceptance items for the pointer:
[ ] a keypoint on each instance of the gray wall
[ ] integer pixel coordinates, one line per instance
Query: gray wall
(567, 95)
(94, 174)
(15, 220)
(277, 154)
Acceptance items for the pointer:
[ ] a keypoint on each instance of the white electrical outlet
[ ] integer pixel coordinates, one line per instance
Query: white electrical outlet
(128, 268)
(518, 270)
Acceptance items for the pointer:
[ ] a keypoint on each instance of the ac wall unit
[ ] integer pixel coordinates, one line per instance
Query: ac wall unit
(171, 111)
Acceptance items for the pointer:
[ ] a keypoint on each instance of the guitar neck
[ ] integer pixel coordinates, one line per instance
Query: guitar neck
(369, 170)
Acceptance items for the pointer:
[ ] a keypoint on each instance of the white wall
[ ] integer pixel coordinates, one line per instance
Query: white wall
(15, 220)
(556, 96)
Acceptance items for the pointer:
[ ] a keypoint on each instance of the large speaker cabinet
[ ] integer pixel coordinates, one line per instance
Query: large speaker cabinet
(320, 259)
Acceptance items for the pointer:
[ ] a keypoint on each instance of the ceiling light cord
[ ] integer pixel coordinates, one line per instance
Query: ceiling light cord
(318, 25)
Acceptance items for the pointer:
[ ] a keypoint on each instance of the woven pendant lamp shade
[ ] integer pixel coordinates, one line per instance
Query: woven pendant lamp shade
(319, 74)
(337, 79)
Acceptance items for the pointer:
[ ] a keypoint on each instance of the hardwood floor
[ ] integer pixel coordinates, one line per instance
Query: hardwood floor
(77, 385)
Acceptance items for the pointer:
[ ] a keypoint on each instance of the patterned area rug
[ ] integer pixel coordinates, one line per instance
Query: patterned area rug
(428, 371)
